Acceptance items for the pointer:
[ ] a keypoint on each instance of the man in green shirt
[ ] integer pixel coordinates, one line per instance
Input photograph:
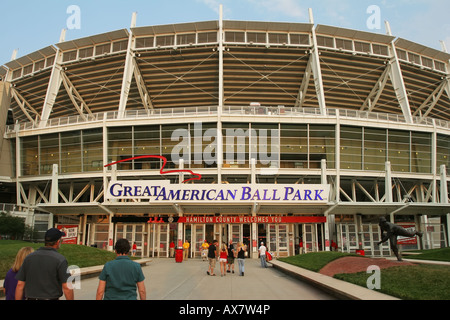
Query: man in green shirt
(120, 277)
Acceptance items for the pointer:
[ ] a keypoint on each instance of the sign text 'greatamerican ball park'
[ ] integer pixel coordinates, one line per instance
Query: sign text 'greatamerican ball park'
(163, 191)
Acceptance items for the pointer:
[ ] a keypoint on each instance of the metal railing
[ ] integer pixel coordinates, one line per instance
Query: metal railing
(252, 110)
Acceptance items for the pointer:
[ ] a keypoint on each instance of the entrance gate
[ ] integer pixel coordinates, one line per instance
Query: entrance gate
(133, 233)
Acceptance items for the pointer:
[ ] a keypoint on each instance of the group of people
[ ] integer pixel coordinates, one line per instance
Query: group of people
(44, 274)
(226, 255)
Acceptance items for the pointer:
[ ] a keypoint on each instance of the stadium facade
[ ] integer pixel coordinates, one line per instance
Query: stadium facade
(230, 130)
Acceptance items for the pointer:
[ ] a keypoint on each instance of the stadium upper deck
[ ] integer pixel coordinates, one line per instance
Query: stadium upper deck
(293, 65)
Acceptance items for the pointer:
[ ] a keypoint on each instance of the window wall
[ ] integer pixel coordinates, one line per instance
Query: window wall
(286, 146)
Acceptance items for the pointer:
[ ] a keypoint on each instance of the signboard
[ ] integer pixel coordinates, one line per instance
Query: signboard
(251, 219)
(222, 219)
(163, 191)
(405, 240)
(71, 232)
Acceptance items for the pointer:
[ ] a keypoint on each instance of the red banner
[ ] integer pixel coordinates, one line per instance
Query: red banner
(251, 219)
(71, 232)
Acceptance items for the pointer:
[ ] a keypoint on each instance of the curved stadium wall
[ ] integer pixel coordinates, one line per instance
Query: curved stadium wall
(365, 113)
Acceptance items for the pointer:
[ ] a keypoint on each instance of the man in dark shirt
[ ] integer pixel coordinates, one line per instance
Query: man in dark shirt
(212, 256)
(44, 273)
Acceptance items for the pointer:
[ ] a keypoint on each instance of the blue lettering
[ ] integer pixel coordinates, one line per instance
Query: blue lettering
(162, 194)
(194, 193)
(275, 195)
(265, 194)
(318, 197)
(231, 194)
(127, 191)
(246, 193)
(186, 195)
(207, 195)
(289, 191)
(256, 195)
(297, 196)
(146, 192)
(308, 194)
(112, 190)
(174, 195)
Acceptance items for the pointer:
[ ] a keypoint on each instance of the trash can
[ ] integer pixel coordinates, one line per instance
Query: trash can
(179, 255)
(361, 252)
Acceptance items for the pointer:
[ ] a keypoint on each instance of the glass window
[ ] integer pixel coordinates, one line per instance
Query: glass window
(302, 39)
(256, 37)
(374, 149)
(86, 53)
(70, 56)
(147, 142)
(120, 146)
(234, 36)
(321, 145)
(380, 49)
(102, 49)
(92, 150)
(325, 41)
(175, 144)
(207, 37)
(362, 47)
(264, 145)
(420, 152)
(351, 147)
(147, 42)
(70, 152)
(183, 39)
(344, 44)
(294, 146)
(164, 41)
(120, 45)
(49, 152)
(236, 138)
(399, 153)
(278, 38)
(443, 152)
(30, 156)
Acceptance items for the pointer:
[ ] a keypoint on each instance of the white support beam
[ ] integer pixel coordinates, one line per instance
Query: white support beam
(388, 183)
(24, 104)
(128, 71)
(75, 97)
(142, 88)
(431, 101)
(304, 85)
(377, 90)
(52, 90)
(316, 69)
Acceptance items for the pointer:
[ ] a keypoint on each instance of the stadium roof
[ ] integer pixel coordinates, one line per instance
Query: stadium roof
(272, 63)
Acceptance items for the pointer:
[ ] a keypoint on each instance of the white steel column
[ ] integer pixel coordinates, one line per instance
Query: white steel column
(317, 71)
(127, 72)
(52, 90)
(219, 140)
(388, 183)
(398, 82)
(444, 196)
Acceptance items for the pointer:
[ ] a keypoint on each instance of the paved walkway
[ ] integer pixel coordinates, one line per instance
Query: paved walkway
(168, 280)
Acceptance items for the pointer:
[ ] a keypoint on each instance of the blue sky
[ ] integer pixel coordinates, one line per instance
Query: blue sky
(29, 25)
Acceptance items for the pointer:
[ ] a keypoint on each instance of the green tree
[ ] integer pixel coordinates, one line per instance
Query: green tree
(11, 226)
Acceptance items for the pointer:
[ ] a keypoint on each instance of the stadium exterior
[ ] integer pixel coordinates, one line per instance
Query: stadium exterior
(274, 132)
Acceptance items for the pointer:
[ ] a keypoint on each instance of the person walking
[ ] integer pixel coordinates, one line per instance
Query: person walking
(231, 256)
(120, 277)
(10, 283)
(186, 246)
(223, 259)
(212, 256)
(262, 255)
(241, 258)
(44, 273)
(204, 249)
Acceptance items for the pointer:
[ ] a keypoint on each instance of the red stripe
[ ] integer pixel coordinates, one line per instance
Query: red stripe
(164, 159)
